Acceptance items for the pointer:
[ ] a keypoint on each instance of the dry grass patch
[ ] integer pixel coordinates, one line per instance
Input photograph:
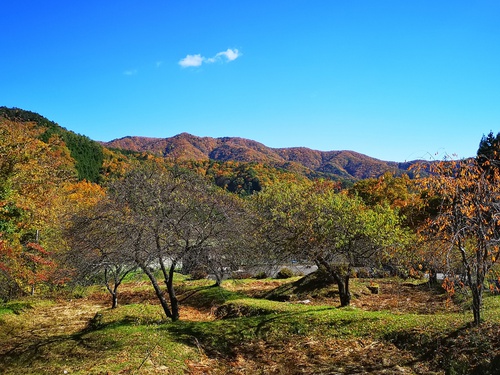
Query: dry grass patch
(308, 355)
(401, 297)
(255, 288)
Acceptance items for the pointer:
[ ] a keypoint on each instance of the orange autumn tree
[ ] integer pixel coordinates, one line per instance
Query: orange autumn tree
(31, 176)
(75, 198)
(468, 219)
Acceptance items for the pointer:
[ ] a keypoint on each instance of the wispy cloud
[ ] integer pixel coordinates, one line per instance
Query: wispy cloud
(230, 54)
(198, 60)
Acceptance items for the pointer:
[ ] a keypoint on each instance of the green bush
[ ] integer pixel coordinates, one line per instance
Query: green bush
(285, 273)
(261, 275)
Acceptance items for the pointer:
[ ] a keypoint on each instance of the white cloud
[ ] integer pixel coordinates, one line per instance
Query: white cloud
(198, 60)
(230, 54)
(191, 60)
(131, 72)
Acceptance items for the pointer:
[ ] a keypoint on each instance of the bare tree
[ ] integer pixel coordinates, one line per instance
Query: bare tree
(97, 248)
(169, 216)
(233, 245)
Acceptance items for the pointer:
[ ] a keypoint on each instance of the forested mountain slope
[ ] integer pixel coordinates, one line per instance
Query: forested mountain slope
(348, 165)
(88, 154)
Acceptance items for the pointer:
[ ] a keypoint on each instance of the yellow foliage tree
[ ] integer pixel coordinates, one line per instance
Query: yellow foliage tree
(32, 174)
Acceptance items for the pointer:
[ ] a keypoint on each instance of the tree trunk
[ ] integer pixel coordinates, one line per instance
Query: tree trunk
(219, 275)
(112, 292)
(341, 280)
(114, 300)
(159, 293)
(477, 296)
(169, 283)
(433, 277)
(476, 286)
(174, 302)
(344, 293)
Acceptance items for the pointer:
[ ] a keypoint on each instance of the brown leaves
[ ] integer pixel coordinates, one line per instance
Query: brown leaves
(467, 219)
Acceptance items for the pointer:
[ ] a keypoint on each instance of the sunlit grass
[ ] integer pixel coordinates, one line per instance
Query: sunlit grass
(123, 340)
(22, 305)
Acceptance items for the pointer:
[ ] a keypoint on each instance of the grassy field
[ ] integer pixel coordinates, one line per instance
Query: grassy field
(407, 328)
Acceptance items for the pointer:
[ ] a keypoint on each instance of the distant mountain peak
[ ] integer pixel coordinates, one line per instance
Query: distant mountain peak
(342, 164)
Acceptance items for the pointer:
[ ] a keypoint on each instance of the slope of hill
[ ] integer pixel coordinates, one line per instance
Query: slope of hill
(88, 154)
(347, 165)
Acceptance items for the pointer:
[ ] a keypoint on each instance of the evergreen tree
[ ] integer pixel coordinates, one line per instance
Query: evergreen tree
(488, 152)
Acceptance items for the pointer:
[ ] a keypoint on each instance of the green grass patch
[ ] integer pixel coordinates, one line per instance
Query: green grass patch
(204, 294)
(248, 319)
(14, 307)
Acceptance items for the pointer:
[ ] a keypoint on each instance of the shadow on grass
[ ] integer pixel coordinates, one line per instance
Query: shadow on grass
(222, 337)
(314, 282)
(466, 350)
(32, 350)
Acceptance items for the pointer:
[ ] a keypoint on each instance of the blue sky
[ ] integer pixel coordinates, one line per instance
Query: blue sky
(392, 79)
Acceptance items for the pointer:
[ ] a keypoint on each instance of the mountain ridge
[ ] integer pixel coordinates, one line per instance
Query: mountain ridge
(89, 155)
(343, 164)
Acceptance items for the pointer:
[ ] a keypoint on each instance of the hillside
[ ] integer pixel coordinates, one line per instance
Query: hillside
(92, 162)
(87, 154)
(347, 165)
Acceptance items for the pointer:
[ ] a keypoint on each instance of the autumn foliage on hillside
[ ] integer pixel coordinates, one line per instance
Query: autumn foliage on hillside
(36, 179)
(87, 155)
(339, 165)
